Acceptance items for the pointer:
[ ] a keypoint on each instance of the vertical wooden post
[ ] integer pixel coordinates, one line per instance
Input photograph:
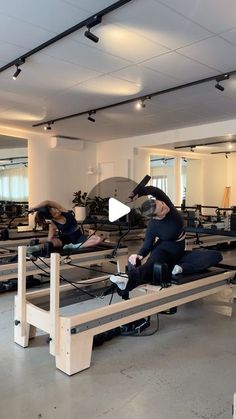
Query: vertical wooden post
(54, 301)
(226, 197)
(234, 407)
(121, 263)
(177, 180)
(21, 331)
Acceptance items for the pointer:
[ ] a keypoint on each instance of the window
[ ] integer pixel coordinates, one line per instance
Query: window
(160, 182)
(14, 184)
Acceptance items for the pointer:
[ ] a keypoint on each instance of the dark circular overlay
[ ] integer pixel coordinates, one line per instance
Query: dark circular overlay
(114, 187)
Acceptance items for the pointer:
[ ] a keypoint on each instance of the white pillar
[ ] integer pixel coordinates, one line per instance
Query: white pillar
(177, 181)
(141, 163)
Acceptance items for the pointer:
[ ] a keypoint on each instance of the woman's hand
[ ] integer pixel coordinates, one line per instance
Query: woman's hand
(133, 259)
(31, 210)
(133, 197)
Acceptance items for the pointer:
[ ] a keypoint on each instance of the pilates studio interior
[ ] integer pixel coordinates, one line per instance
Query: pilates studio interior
(95, 96)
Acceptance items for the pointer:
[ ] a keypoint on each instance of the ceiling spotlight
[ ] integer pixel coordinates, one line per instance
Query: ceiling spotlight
(226, 155)
(91, 36)
(93, 22)
(219, 87)
(140, 104)
(90, 118)
(221, 78)
(18, 70)
(48, 126)
(192, 148)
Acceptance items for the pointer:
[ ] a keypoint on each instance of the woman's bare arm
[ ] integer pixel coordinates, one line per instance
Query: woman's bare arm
(52, 231)
(51, 204)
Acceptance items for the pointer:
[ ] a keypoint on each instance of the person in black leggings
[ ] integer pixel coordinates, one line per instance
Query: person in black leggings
(164, 239)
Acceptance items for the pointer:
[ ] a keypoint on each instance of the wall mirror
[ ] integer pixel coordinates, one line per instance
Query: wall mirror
(13, 177)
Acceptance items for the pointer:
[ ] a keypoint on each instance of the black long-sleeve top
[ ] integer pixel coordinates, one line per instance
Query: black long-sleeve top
(169, 228)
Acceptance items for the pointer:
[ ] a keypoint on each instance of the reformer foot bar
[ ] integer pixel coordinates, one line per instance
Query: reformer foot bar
(83, 257)
(71, 337)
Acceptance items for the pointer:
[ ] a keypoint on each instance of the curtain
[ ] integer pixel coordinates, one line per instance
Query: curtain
(161, 182)
(14, 184)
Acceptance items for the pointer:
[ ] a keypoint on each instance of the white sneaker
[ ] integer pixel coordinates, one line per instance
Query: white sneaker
(120, 281)
(31, 257)
(177, 270)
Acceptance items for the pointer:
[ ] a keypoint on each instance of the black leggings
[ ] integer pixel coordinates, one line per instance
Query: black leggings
(194, 261)
(164, 252)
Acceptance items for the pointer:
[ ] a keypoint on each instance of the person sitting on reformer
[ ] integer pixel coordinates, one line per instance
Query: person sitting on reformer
(165, 241)
(63, 228)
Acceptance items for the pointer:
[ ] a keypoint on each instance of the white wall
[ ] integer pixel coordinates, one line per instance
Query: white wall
(219, 172)
(210, 191)
(56, 174)
(194, 183)
(207, 179)
(214, 178)
(231, 176)
(141, 163)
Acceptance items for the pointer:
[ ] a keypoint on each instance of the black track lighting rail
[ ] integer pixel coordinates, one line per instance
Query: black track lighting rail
(89, 22)
(6, 165)
(205, 144)
(223, 152)
(163, 158)
(142, 98)
(92, 111)
(12, 159)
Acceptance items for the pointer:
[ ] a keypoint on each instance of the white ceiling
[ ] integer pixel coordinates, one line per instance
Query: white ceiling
(7, 142)
(144, 47)
(223, 145)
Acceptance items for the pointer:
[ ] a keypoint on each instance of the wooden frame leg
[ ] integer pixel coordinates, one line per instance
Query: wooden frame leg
(122, 261)
(22, 340)
(21, 331)
(75, 350)
(22, 328)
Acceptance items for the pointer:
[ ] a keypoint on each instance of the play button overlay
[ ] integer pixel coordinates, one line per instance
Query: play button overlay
(116, 209)
(106, 201)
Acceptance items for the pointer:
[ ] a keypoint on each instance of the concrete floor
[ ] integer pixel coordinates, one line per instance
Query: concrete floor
(185, 370)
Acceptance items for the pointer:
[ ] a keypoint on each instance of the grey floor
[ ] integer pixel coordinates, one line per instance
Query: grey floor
(185, 370)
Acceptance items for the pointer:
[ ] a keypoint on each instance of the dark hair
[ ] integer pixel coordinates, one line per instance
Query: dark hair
(42, 214)
(148, 208)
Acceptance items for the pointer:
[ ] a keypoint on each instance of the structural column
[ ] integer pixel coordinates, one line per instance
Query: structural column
(177, 181)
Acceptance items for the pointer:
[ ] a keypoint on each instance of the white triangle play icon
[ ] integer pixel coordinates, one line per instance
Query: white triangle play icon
(117, 209)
